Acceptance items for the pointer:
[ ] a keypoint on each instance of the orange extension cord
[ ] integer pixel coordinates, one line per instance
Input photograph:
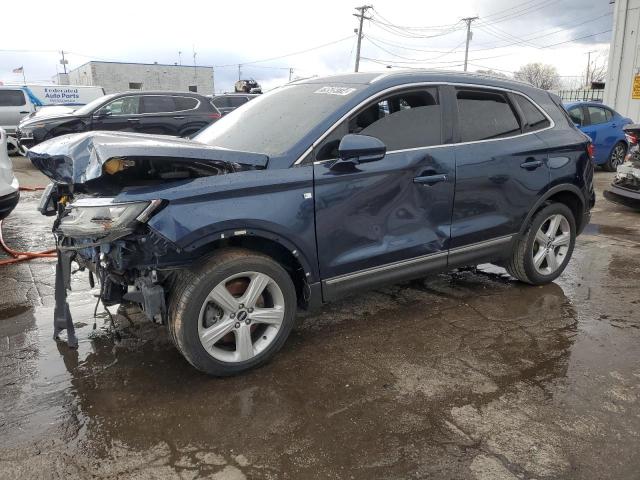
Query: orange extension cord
(23, 256)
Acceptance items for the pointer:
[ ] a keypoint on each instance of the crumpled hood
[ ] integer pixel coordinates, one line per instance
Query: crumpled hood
(79, 157)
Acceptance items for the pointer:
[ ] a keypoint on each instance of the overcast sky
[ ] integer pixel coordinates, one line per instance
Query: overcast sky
(508, 34)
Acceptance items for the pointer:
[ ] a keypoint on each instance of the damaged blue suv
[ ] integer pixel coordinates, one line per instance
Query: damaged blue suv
(311, 192)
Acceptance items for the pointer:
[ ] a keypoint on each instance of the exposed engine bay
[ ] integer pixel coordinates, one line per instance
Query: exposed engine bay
(108, 237)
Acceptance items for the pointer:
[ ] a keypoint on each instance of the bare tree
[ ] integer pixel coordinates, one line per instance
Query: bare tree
(597, 68)
(539, 75)
(492, 73)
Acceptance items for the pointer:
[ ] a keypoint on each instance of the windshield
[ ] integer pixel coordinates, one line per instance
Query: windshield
(90, 107)
(274, 122)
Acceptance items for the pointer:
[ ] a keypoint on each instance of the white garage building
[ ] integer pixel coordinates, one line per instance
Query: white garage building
(622, 91)
(119, 77)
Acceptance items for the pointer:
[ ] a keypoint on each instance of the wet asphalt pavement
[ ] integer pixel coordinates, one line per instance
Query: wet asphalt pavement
(463, 375)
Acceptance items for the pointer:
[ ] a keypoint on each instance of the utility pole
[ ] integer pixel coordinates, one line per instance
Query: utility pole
(63, 61)
(239, 71)
(586, 80)
(180, 57)
(195, 68)
(469, 35)
(290, 74)
(363, 9)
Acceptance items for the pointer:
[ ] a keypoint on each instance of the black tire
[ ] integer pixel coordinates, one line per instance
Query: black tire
(521, 264)
(616, 157)
(189, 294)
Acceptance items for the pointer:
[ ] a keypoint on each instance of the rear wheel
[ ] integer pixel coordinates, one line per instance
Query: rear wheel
(232, 314)
(545, 249)
(616, 158)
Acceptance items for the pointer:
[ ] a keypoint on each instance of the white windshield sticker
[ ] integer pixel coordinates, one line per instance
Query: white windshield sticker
(335, 90)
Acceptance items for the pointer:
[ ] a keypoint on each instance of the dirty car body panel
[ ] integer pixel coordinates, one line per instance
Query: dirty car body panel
(368, 180)
(625, 188)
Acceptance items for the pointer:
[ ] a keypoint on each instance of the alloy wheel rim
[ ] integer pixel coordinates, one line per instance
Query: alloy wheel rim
(551, 244)
(241, 317)
(618, 156)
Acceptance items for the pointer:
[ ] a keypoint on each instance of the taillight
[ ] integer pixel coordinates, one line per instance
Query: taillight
(215, 115)
(632, 138)
(591, 151)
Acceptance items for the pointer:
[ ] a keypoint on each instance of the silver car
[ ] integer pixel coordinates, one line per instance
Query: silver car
(9, 188)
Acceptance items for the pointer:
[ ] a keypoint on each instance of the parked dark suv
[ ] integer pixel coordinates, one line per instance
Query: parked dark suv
(166, 113)
(318, 189)
(228, 102)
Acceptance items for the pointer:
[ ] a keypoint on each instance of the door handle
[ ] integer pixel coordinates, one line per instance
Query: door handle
(179, 118)
(531, 164)
(23, 112)
(133, 120)
(430, 179)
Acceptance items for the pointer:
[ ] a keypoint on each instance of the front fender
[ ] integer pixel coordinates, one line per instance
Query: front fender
(273, 204)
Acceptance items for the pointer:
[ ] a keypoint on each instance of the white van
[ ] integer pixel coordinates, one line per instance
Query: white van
(18, 101)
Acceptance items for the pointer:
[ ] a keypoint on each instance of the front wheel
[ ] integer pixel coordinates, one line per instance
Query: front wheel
(232, 314)
(544, 251)
(616, 158)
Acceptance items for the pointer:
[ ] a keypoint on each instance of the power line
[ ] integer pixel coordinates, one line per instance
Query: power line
(525, 11)
(443, 54)
(431, 27)
(505, 54)
(286, 55)
(404, 46)
(548, 32)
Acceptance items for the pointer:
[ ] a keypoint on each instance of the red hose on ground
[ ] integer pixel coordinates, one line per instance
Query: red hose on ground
(23, 256)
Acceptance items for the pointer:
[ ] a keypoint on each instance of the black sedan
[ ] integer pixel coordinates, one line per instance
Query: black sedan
(166, 113)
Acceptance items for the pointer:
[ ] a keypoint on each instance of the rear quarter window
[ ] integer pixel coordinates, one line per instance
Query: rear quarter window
(237, 101)
(12, 98)
(185, 103)
(534, 118)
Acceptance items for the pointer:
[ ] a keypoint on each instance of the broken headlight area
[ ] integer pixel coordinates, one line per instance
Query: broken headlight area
(100, 218)
(112, 241)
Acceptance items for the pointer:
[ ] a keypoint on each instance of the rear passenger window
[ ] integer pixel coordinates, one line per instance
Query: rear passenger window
(185, 103)
(596, 115)
(577, 115)
(483, 115)
(401, 121)
(12, 98)
(534, 118)
(158, 104)
(221, 102)
(237, 101)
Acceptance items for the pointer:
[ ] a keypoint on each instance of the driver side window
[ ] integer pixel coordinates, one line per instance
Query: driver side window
(122, 106)
(410, 119)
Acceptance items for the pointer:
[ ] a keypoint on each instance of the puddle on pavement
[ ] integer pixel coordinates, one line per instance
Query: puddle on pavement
(595, 229)
(380, 383)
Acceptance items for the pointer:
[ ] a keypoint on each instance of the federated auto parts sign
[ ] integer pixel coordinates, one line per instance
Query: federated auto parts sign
(61, 95)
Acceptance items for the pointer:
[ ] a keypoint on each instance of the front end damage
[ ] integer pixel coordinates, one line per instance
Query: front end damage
(108, 236)
(625, 188)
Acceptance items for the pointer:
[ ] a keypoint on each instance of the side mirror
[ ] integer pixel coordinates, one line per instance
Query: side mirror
(361, 149)
(102, 113)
